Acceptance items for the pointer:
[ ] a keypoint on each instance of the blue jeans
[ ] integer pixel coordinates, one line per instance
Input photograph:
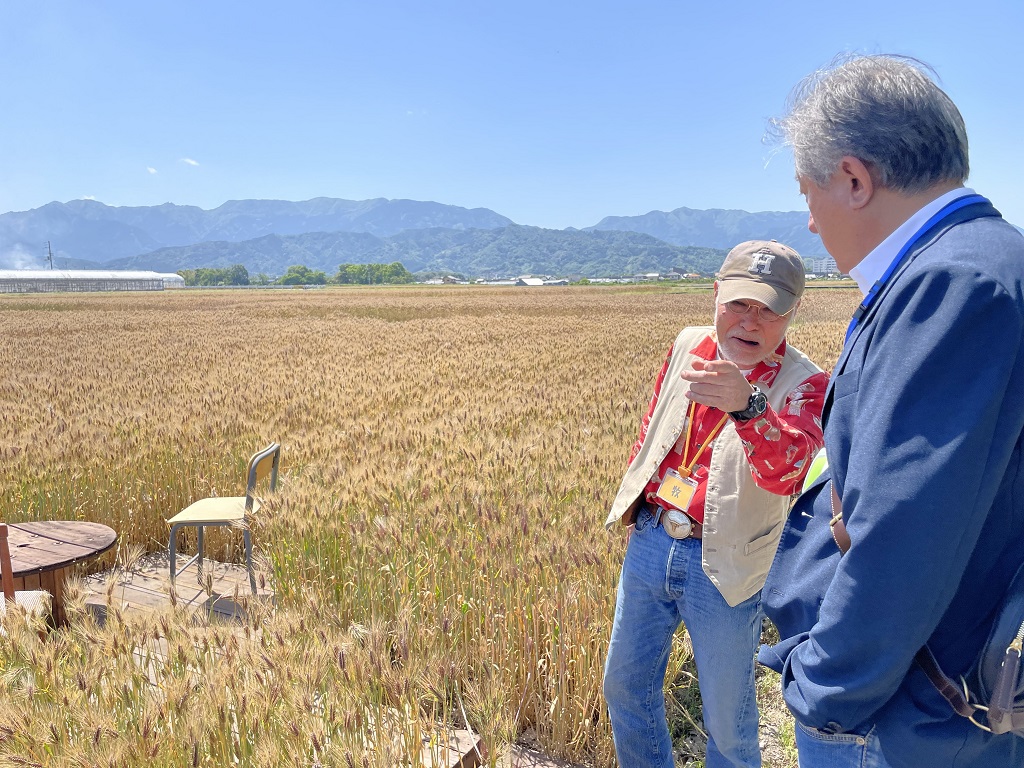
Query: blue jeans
(663, 584)
(816, 749)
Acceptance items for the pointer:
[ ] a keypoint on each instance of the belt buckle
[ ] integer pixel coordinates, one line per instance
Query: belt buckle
(677, 524)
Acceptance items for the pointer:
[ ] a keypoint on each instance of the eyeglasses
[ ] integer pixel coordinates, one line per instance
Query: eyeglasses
(763, 314)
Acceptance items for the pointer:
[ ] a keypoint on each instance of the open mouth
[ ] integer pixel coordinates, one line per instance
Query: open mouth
(746, 342)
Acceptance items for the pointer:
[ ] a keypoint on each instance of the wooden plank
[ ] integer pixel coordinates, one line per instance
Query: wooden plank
(187, 587)
(57, 605)
(517, 756)
(131, 598)
(452, 749)
(147, 588)
(159, 588)
(47, 581)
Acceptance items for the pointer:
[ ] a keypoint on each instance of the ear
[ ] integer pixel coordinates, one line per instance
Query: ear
(859, 185)
(794, 310)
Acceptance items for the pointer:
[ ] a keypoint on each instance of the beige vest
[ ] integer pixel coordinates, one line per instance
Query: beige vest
(742, 523)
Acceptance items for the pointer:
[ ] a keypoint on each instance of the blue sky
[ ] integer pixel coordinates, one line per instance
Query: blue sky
(554, 114)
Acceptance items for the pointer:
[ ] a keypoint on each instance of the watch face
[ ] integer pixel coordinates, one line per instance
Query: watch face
(758, 404)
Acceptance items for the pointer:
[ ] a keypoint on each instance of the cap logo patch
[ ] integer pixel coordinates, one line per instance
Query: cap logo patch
(761, 262)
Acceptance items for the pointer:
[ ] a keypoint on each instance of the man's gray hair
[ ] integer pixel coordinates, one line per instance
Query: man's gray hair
(884, 110)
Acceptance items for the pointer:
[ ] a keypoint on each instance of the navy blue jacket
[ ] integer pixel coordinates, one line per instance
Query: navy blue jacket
(924, 419)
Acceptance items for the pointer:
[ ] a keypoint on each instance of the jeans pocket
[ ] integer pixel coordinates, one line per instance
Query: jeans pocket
(832, 738)
(644, 520)
(819, 749)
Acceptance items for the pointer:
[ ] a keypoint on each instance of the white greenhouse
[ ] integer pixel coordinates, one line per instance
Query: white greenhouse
(79, 280)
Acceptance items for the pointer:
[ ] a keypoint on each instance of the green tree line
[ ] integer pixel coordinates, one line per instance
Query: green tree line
(236, 274)
(373, 274)
(299, 274)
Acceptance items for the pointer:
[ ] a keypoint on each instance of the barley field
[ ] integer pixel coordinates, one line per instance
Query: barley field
(436, 542)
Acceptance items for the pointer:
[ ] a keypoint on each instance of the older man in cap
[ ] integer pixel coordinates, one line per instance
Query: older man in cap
(731, 428)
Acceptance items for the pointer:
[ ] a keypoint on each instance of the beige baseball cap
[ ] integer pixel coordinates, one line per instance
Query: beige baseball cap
(762, 270)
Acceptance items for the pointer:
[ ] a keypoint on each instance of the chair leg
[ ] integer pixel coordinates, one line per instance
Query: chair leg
(247, 537)
(170, 549)
(199, 553)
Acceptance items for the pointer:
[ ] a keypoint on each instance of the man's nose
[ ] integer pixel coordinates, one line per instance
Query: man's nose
(751, 319)
(810, 224)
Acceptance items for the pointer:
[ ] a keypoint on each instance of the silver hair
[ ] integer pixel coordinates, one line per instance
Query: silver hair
(886, 111)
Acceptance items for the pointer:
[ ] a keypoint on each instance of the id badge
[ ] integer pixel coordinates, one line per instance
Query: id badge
(677, 491)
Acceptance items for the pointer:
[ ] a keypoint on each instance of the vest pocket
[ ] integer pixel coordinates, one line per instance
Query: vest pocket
(764, 540)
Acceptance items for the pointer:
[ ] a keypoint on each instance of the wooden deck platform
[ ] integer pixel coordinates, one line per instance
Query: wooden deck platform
(147, 588)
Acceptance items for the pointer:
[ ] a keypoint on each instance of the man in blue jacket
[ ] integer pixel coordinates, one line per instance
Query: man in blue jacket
(923, 423)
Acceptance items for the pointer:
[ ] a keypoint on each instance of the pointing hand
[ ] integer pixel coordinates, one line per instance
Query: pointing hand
(718, 383)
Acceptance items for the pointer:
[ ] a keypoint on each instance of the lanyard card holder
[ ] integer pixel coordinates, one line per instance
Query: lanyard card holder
(676, 491)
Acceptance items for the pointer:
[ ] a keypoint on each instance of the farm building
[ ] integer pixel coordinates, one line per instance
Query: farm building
(79, 280)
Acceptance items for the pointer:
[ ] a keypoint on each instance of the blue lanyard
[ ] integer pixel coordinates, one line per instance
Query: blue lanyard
(947, 210)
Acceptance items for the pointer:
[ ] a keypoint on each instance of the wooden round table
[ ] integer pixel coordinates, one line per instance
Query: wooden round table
(43, 553)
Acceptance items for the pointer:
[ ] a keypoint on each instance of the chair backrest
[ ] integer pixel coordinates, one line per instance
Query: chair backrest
(262, 463)
(6, 569)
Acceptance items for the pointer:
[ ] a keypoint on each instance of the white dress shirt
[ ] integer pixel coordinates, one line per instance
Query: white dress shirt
(873, 266)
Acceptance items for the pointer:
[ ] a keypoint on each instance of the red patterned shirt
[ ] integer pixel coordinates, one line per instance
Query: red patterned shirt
(779, 445)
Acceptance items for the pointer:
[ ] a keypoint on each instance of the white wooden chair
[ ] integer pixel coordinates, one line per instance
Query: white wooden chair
(34, 602)
(228, 510)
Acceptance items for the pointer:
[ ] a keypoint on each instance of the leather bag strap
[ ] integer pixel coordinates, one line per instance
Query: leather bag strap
(924, 658)
(950, 691)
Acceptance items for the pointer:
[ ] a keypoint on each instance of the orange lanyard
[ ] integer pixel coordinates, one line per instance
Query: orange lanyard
(686, 469)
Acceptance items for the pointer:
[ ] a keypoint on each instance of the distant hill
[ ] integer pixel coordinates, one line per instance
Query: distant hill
(523, 250)
(271, 254)
(717, 228)
(510, 250)
(84, 231)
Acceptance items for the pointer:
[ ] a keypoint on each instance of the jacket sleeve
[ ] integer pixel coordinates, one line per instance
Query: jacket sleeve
(922, 441)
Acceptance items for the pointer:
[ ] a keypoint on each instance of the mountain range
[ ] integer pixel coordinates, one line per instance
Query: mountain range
(270, 235)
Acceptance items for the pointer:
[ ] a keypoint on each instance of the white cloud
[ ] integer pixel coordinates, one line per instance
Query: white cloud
(151, 169)
(88, 197)
(189, 161)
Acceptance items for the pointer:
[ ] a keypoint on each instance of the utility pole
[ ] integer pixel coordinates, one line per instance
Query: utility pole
(49, 254)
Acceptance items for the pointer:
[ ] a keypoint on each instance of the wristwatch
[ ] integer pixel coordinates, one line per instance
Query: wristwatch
(756, 405)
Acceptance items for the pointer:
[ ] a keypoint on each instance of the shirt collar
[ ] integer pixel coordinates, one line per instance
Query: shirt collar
(873, 266)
